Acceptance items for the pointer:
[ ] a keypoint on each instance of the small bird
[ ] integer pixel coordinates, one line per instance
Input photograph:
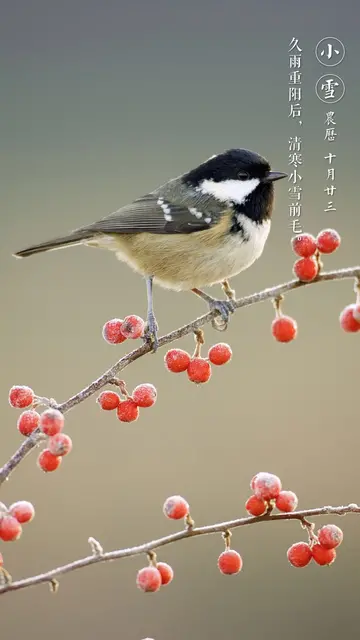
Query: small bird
(196, 230)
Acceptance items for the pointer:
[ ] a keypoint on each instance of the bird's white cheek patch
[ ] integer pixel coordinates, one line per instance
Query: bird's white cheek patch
(229, 190)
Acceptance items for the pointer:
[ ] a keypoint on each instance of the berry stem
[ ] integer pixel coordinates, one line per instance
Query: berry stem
(277, 305)
(199, 341)
(227, 538)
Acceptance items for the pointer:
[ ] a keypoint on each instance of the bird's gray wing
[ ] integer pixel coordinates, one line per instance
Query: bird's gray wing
(154, 214)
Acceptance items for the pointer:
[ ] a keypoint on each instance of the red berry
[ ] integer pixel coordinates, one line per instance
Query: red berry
(304, 245)
(328, 240)
(287, 501)
(144, 395)
(1, 560)
(284, 329)
(128, 411)
(330, 536)
(166, 572)
(20, 396)
(108, 400)
(133, 327)
(22, 510)
(252, 482)
(28, 421)
(356, 313)
(177, 360)
(255, 506)
(148, 579)
(47, 461)
(176, 507)
(51, 422)
(347, 319)
(111, 331)
(230, 562)
(267, 486)
(323, 556)
(299, 554)
(220, 353)
(199, 370)
(60, 444)
(306, 269)
(10, 529)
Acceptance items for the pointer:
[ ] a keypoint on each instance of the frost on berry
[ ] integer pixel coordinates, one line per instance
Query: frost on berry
(60, 444)
(21, 396)
(144, 395)
(108, 400)
(22, 510)
(286, 501)
(10, 528)
(347, 319)
(166, 572)
(255, 506)
(299, 554)
(199, 370)
(284, 329)
(133, 327)
(328, 240)
(177, 360)
(28, 421)
(306, 269)
(148, 579)
(111, 331)
(267, 486)
(128, 411)
(230, 562)
(330, 536)
(176, 507)
(356, 313)
(51, 421)
(220, 353)
(47, 461)
(323, 556)
(304, 245)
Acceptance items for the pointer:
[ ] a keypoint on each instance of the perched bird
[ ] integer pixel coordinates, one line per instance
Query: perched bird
(198, 229)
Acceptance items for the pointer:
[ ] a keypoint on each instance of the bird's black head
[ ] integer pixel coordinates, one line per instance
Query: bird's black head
(240, 177)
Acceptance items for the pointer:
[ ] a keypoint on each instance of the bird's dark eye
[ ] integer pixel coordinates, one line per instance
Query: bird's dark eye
(243, 175)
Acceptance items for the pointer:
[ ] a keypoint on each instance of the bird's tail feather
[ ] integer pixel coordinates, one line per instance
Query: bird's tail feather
(57, 243)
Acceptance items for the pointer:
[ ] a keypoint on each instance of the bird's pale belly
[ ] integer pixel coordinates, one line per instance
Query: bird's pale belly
(194, 260)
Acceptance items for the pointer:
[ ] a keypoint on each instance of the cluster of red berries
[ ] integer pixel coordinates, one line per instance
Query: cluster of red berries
(306, 269)
(12, 518)
(309, 250)
(321, 547)
(197, 368)
(268, 493)
(143, 396)
(50, 423)
(116, 331)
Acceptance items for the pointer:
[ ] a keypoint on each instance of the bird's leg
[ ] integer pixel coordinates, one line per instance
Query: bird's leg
(223, 307)
(229, 292)
(151, 324)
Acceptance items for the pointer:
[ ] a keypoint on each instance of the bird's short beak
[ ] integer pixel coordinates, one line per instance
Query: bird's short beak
(271, 176)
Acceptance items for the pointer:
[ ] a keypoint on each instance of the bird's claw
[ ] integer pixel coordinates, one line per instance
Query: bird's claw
(224, 308)
(151, 332)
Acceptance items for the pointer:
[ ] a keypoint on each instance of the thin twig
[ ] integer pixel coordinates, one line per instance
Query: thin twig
(110, 374)
(149, 547)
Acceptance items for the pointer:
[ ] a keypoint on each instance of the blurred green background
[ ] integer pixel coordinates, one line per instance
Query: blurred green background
(102, 101)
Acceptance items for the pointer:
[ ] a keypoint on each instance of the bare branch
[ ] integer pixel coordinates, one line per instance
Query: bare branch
(99, 555)
(107, 377)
